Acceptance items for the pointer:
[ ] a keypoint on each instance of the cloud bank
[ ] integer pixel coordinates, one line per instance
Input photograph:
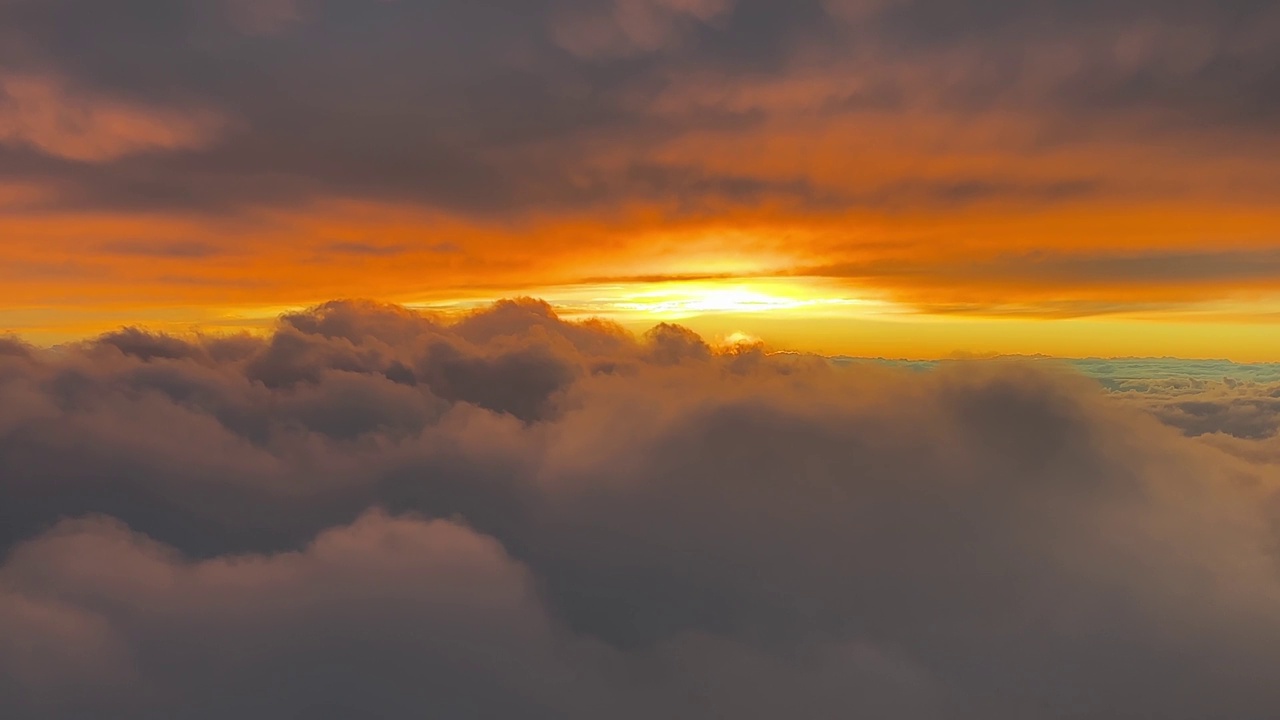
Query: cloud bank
(399, 108)
(376, 513)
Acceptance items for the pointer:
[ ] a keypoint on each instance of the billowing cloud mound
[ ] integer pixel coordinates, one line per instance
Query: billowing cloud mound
(371, 513)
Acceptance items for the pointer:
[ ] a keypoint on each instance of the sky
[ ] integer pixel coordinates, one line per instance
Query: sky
(634, 359)
(897, 178)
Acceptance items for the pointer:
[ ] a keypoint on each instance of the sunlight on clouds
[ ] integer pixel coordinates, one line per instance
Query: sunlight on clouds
(15, 196)
(44, 112)
(675, 300)
(680, 303)
(741, 338)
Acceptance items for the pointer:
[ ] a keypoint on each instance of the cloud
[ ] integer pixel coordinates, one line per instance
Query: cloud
(1061, 283)
(166, 250)
(485, 647)
(1198, 397)
(1248, 410)
(624, 27)
(44, 113)
(357, 248)
(510, 121)
(263, 17)
(374, 511)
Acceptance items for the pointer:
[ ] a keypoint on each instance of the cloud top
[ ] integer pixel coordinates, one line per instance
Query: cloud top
(372, 511)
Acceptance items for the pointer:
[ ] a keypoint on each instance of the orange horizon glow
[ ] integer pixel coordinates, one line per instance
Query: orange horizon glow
(786, 279)
(916, 228)
(794, 314)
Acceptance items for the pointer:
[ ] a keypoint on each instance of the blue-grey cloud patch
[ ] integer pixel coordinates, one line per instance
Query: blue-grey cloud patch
(1198, 397)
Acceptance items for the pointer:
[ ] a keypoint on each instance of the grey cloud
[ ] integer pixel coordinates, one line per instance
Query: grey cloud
(487, 647)
(1146, 373)
(258, 17)
(1204, 63)
(1198, 397)
(1099, 272)
(14, 348)
(172, 250)
(1241, 409)
(377, 512)
(965, 191)
(1167, 266)
(353, 248)
(478, 108)
(630, 27)
(1135, 373)
(148, 346)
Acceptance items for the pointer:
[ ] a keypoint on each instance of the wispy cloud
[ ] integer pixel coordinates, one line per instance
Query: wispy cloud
(48, 114)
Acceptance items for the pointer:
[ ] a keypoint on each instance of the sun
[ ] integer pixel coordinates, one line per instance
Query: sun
(675, 300)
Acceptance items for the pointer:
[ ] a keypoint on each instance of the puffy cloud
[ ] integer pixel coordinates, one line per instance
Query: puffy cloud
(372, 511)
(1241, 409)
(388, 617)
(1199, 397)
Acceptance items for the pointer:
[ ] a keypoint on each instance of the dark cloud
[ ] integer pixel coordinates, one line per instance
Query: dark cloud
(1173, 275)
(372, 250)
(1198, 397)
(1201, 63)
(171, 251)
(491, 109)
(1156, 267)
(957, 192)
(1151, 267)
(375, 512)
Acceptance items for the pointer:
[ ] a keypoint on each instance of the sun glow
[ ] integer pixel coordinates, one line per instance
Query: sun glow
(674, 300)
(675, 303)
(741, 339)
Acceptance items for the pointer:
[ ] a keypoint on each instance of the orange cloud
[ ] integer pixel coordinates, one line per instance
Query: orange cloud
(45, 113)
(643, 158)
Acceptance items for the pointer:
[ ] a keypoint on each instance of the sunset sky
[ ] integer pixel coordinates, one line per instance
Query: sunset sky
(865, 177)
(639, 359)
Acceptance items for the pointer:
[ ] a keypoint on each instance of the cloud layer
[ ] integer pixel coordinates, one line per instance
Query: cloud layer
(371, 512)
(403, 109)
